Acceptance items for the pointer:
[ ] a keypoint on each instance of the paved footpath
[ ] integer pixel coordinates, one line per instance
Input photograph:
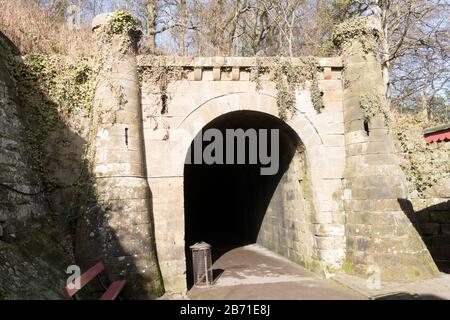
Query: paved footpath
(255, 273)
(432, 289)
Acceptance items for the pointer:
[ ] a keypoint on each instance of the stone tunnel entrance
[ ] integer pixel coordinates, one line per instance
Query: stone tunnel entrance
(230, 206)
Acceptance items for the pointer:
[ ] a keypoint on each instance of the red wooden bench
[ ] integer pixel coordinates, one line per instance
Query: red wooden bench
(111, 292)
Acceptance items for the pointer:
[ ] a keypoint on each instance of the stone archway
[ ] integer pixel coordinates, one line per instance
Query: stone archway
(324, 170)
(356, 181)
(231, 205)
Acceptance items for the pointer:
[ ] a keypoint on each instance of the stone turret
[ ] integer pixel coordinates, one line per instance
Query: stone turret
(119, 229)
(379, 234)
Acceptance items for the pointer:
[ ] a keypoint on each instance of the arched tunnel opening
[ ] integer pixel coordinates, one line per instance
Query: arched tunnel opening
(233, 205)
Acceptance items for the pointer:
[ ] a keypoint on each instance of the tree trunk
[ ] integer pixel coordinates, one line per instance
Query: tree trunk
(182, 9)
(425, 108)
(380, 13)
(151, 25)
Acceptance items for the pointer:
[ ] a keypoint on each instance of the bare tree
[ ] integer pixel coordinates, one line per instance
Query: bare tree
(414, 48)
(414, 51)
(286, 14)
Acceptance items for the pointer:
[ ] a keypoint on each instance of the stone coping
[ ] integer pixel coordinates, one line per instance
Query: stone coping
(149, 60)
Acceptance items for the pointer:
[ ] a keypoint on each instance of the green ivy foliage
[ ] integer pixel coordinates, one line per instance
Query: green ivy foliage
(53, 89)
(373, 105)
(122, 22)
(423, 164)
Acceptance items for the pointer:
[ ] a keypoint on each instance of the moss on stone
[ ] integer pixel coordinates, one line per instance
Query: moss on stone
(312, 265)
(33, 265)
(3, 293)
(347, 266)
(149, 287)
(44, 242)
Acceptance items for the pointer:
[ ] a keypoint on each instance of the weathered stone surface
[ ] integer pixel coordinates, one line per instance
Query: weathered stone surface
(34, 267)
(101, 20)
(430, 228)
(336, 207)
(445, 228)
(17, 177)
(32, 259)
(440, 216)
(285, 227)
(379, 232)
(120, 230)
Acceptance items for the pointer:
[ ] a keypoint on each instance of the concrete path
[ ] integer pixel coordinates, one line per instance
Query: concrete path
(431, 289)
(255, 273)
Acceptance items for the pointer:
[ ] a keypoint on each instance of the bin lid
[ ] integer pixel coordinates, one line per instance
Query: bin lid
(201, 246)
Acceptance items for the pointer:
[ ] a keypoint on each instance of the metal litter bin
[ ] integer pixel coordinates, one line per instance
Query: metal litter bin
(202, 264)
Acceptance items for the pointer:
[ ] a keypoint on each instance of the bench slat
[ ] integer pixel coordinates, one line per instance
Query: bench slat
(113, 290)
(85, 278)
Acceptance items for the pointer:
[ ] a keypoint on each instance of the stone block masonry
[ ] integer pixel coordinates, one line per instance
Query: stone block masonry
(32, 259)
(21, 197)
(336, 208)
(355, 220)
(120, 229)
(433, 224)
(378, 232)
(201, 90)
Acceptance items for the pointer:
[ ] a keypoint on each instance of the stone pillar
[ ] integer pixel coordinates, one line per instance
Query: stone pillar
(119, 229)
(380, 237)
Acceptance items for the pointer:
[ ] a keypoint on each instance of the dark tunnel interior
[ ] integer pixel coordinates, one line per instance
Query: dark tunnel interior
(225, 204)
